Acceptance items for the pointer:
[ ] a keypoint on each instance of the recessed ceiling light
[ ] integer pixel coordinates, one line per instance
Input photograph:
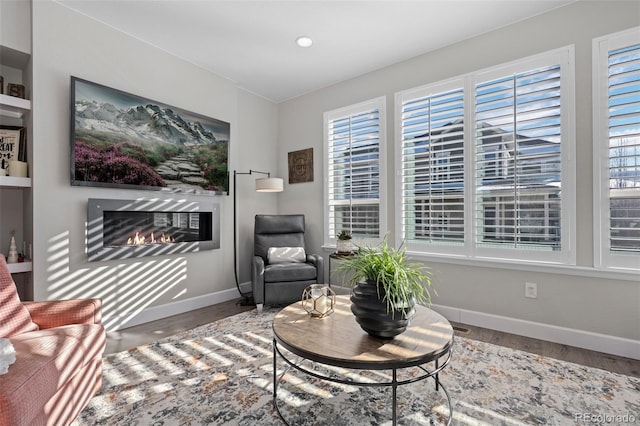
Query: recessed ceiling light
(304, 41)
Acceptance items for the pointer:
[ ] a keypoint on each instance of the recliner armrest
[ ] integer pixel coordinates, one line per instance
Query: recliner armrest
(257, 279)
(56, 313)
(318, 261)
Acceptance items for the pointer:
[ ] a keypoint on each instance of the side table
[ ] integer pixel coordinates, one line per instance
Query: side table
(336, 256)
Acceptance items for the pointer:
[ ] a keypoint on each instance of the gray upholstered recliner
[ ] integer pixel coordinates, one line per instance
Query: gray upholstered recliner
(281, 283)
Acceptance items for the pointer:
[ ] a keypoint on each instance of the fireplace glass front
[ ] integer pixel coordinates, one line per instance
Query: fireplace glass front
(120, 229)
(144, 228)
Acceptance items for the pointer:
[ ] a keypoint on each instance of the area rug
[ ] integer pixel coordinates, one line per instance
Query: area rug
(221, 374)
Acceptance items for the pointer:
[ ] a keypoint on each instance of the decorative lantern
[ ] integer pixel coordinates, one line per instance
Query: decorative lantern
(319, 300)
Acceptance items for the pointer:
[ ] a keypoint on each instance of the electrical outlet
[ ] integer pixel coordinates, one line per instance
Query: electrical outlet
(531, 290)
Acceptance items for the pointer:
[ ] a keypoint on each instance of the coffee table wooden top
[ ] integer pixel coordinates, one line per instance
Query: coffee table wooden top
(338, 339)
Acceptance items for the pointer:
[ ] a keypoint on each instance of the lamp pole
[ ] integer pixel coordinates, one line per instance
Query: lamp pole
(247, 298)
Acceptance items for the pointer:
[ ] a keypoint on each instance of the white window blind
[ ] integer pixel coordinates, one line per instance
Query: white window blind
(624, 148)
(617, 148)
(518, 183)
(485, 162)
(353, 146)
(432, 162)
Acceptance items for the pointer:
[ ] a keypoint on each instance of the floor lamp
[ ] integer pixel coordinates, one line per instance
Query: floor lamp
(265, 184)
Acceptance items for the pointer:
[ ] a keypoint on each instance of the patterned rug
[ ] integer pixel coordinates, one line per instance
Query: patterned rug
(221, 373)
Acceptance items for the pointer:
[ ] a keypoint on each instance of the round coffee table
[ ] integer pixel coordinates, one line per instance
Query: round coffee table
(338, 340)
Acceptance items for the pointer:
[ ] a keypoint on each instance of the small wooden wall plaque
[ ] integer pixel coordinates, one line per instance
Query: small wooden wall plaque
(301, 166)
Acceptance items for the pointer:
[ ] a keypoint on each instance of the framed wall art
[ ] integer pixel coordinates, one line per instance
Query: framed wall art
(13, 145)
(121, 140)
(301, 166)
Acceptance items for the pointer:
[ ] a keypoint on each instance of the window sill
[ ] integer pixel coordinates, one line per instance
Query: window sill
(578, 271)
(519, 265)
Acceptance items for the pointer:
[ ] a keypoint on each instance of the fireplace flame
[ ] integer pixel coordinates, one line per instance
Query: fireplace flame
(140, 240)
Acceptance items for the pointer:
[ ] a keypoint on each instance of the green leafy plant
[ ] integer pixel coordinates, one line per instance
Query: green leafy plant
(398, 279)
(344, 235)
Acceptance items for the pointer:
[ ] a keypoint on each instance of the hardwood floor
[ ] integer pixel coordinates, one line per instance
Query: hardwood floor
(613, 363)
(146, 333)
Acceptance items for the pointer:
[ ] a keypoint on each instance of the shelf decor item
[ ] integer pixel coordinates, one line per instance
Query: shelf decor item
(12, 145)
(386, 287)
(16, 90)
(121, 140)
(18, 168)
(318, 300)
(12, 257)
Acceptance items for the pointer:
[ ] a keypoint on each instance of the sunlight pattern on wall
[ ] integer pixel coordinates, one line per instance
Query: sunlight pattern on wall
(126, 289)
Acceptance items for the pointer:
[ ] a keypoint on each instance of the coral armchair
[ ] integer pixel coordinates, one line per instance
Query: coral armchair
(58, 346)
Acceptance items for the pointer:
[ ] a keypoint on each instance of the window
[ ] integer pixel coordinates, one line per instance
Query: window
(485, 168)
(354, 151)
(432, 164)
(616, 84)
(517, 160)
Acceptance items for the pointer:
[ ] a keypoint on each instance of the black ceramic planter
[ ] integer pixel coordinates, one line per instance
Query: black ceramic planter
(371, 312)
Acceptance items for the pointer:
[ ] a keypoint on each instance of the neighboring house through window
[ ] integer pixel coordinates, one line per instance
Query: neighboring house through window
(616, 92)
(354, 143)
(518, 159)
(432, 182)
(484, 162)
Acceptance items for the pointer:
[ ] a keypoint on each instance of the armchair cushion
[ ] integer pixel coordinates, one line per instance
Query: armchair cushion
(41, 387)
(283, 272)
(14, 317)
(286, 254)
(277, 231)
(56, 313)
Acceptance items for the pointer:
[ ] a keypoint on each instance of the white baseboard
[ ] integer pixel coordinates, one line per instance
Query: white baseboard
(153, 313)
(246, 287)
(568, 336)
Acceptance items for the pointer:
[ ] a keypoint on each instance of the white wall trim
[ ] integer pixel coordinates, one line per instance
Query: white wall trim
(125, 320)
(246, 287)
(530, 266)
(568, 336)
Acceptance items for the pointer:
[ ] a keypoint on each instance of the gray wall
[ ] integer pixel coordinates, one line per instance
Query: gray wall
(577, 298)
(66, 43)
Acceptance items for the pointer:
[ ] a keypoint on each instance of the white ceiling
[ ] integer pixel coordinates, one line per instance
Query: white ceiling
(252, 43)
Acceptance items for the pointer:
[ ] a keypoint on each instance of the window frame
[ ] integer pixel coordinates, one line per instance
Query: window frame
(601, 46)
(379, 103)
(469, 249)
(400, 97)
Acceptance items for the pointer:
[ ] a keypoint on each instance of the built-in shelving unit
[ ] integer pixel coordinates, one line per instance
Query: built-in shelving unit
(16, 193)
(16, 108)
(11, 106)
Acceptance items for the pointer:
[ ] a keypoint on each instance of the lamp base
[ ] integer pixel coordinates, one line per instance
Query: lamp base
(246, 299)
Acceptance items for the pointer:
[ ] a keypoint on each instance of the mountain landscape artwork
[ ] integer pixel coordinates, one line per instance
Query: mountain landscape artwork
(124, 140)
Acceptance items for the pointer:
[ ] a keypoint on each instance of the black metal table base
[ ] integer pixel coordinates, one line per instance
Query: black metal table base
(394, 383)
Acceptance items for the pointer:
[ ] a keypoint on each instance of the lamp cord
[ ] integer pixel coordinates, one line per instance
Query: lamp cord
(246, 298)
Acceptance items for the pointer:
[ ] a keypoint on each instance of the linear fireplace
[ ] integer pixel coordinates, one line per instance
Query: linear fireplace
(120, 229)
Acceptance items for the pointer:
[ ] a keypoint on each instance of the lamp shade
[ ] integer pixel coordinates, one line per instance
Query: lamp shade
(269, 184)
